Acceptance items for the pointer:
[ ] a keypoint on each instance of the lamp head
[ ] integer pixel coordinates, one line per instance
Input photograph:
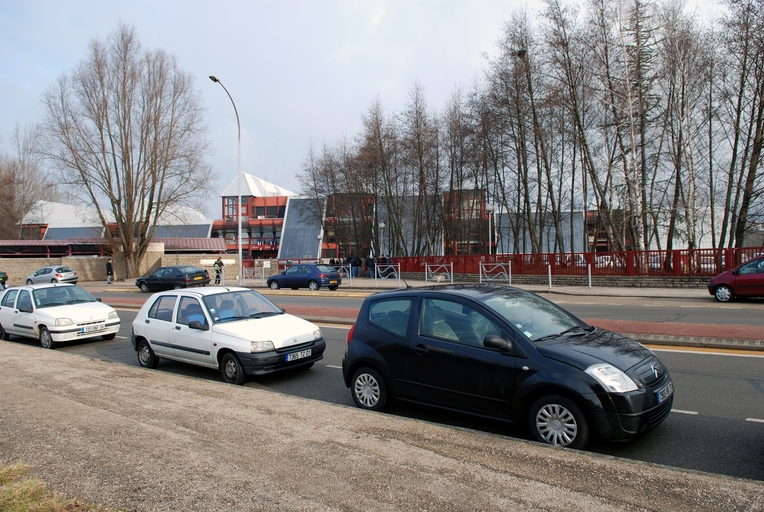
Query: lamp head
(214, 78)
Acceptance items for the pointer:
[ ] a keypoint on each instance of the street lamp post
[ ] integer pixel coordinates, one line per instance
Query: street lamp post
(381, 239)
(238, 173)
(489, 210)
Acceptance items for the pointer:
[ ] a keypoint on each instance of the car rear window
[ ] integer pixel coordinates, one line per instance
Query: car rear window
(391, 315)
(325, 268)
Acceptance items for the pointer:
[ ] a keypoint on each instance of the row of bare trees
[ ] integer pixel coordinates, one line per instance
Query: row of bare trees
(633, 109)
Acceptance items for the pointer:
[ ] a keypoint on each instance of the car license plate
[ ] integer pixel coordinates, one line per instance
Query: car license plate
(93, 328)
(298, 355)
(664, 392)
(198, 278)
(333, 281)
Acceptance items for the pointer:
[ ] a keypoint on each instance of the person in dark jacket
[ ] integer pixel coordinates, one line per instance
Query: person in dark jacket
(109, 271)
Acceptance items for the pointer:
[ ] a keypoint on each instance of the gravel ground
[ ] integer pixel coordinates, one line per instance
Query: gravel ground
(135, 439)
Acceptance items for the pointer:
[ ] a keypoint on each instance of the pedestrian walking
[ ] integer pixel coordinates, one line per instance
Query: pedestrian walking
(109, 271)
(218, 266)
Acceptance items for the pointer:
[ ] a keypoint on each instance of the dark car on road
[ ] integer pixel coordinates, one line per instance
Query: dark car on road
(746, 280)
(3, 279)
(504, 353)
(306, 276)
(173, 277)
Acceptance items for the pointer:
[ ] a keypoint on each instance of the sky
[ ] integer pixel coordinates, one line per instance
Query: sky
(300, 72)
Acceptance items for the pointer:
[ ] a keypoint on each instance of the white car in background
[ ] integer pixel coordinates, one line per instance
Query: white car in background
(55, 313)
(53, 274)
(234, 330)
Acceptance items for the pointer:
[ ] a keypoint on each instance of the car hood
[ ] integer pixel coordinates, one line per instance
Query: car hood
(601, 346)
(283, 330)
(78, 313)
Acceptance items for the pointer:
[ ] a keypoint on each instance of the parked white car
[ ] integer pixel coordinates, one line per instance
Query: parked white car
(55, 313)
(235, 330)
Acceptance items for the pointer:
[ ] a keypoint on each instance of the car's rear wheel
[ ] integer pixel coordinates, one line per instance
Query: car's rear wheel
(146, 356)
(46, 340)
(3, 335)
(231, 369)
(369, 389)
(332, 288)
(557, 420)
(724, 293)
(313, 285)
(53, 281)
(109, 336)
(145, 288)
(29, 281)
(274, 285)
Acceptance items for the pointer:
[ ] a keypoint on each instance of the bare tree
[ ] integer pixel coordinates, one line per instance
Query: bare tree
(125, 129)
(23, 182)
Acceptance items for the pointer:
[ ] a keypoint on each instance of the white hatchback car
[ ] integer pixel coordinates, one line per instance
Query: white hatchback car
(55, 313)
(235, 330)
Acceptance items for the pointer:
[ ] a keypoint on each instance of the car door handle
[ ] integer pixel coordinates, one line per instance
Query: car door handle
(147, 321)
(177, 327)
(420, 349)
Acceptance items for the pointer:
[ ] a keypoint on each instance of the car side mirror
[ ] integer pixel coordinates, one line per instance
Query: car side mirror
(196, 324)
(734, 272)
(494, 341)
(98, 299)
(283, 272)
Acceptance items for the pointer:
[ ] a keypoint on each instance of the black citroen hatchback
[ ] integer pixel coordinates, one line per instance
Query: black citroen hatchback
(504, 353)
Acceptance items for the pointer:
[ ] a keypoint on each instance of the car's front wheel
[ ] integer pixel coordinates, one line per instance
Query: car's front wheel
(231, 369)
(274, 285)
(3, 335)
(557, 420)
(369, 389)
(313, 285)
(46, 340)
(145, 288)
(146, 356)
(724, 293)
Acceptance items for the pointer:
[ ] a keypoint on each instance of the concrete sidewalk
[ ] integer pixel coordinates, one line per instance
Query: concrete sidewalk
(739, 337)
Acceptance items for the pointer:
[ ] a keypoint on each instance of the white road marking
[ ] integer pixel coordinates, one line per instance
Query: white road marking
(122, 337)
(696, 307)
(691, 413)
(333, 366)
(729, 307)
(652, 305)
(755, 420)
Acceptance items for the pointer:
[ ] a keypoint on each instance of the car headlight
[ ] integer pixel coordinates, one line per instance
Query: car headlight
(260, 346)
(113, 315)
(611, 378)
(63, 321)
(317, 334)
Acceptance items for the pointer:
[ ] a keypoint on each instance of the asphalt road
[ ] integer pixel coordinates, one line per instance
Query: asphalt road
(717, 425)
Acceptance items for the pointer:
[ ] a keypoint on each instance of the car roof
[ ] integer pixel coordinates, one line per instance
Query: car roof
(205, 291)
(40, 286)
(464, 290)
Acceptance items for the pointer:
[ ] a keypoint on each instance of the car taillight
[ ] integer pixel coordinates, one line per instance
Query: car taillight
(350, 334)
(321, 275)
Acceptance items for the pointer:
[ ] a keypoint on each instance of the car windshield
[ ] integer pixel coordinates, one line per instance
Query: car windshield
(60, 296)
(238, 305)
(535, 317)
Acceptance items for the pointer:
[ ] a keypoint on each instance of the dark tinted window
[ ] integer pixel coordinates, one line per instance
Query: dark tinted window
(391, 315)
(163, 307)
(10, 298)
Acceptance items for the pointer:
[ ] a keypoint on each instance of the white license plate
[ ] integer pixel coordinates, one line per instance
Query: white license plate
(298, 355)
(93, 328)
(664, 392)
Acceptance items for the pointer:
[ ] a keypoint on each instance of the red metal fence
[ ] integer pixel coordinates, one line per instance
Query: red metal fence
(681, 262)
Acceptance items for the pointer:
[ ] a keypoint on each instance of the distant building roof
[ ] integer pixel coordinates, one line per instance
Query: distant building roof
(247, 185)
(62, 215)
(73, 232)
